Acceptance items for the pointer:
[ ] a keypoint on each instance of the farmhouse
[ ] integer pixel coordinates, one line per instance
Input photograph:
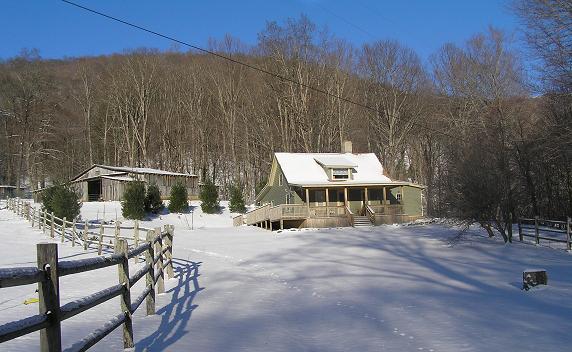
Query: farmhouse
(331, 190)
(104, 183)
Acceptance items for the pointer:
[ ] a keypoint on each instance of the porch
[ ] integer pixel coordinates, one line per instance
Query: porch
(332, 207)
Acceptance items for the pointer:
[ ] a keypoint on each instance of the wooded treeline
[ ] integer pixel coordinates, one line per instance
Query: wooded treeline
(468, 124)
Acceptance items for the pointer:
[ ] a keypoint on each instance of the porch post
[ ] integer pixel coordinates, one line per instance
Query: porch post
(327, 201)
(366, 197)
(346, 197)
(308, 200)
(384, 195)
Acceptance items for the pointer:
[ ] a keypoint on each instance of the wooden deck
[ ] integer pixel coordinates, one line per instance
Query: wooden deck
(270, 217)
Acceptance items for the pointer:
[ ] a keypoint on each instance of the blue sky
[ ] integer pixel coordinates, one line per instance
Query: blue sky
(60, 30)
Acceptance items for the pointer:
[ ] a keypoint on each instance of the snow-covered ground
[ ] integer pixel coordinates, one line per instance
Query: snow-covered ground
(393, 288)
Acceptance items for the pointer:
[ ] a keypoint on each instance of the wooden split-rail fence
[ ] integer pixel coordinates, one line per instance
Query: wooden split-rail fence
(157, 247)
(546, 230)
(84, 233)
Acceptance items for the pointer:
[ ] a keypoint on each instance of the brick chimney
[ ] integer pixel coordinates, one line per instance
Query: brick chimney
(347, 147)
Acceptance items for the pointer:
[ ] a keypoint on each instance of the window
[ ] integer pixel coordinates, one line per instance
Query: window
(280, 180)
(340, 174)
(318, 197)
(288, 197)
(336, 196)
(398, 196)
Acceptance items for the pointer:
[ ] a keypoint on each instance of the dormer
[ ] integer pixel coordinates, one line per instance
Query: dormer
(337, 167)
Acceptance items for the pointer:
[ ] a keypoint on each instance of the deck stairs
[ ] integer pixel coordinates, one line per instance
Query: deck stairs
(362, 221)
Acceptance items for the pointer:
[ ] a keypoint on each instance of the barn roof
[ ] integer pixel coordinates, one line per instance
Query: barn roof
(144, 170)
(122, 170)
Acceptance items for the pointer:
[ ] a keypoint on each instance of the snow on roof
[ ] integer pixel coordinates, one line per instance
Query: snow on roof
(336, 160)
(305, 169)
(144, 170)
(11, 187)
(119, 178)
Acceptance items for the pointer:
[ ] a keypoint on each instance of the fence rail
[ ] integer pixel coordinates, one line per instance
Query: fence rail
(75, 231)
(540, 226)
(157, 248)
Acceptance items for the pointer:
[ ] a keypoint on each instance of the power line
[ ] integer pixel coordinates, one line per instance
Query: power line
(250, 66)
(348, 22)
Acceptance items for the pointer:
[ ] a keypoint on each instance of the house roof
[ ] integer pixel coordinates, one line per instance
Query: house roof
(306, 169)
(335, 160)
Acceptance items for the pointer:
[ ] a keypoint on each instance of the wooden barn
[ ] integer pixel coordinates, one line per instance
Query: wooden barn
(8, 191)
(105, 183)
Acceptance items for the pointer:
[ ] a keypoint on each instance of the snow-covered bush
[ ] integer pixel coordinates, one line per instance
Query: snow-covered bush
(153, 202)
(236, 199)
(178, 202)
(209, 197)
(133, 203)
(63, 201)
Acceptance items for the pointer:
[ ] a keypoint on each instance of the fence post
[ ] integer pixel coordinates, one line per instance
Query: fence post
(63, 227)
(150, 276)
(45, 220)
(520, 229)
(123, 269)
(52, 229)
(136, 233)
(100, 244)
(169, 229)
(568, 233)
(49, 297)
(117, 230)
(74, 233)
(85, 229)
(136, 239)
(536, 233)
(160, 268)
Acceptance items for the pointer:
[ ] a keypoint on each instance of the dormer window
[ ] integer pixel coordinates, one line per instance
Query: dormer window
(340, 174)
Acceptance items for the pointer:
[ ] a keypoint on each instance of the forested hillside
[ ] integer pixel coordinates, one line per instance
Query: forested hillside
(486, 138)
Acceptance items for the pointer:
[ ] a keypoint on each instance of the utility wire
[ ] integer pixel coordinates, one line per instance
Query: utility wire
(348, 22)
(250, 66)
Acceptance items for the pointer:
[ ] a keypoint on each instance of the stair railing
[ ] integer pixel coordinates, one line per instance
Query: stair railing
(370, 214)
(350, 215)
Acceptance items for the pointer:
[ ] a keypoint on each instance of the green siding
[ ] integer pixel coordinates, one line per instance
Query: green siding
(276, 194)
(412, 200)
